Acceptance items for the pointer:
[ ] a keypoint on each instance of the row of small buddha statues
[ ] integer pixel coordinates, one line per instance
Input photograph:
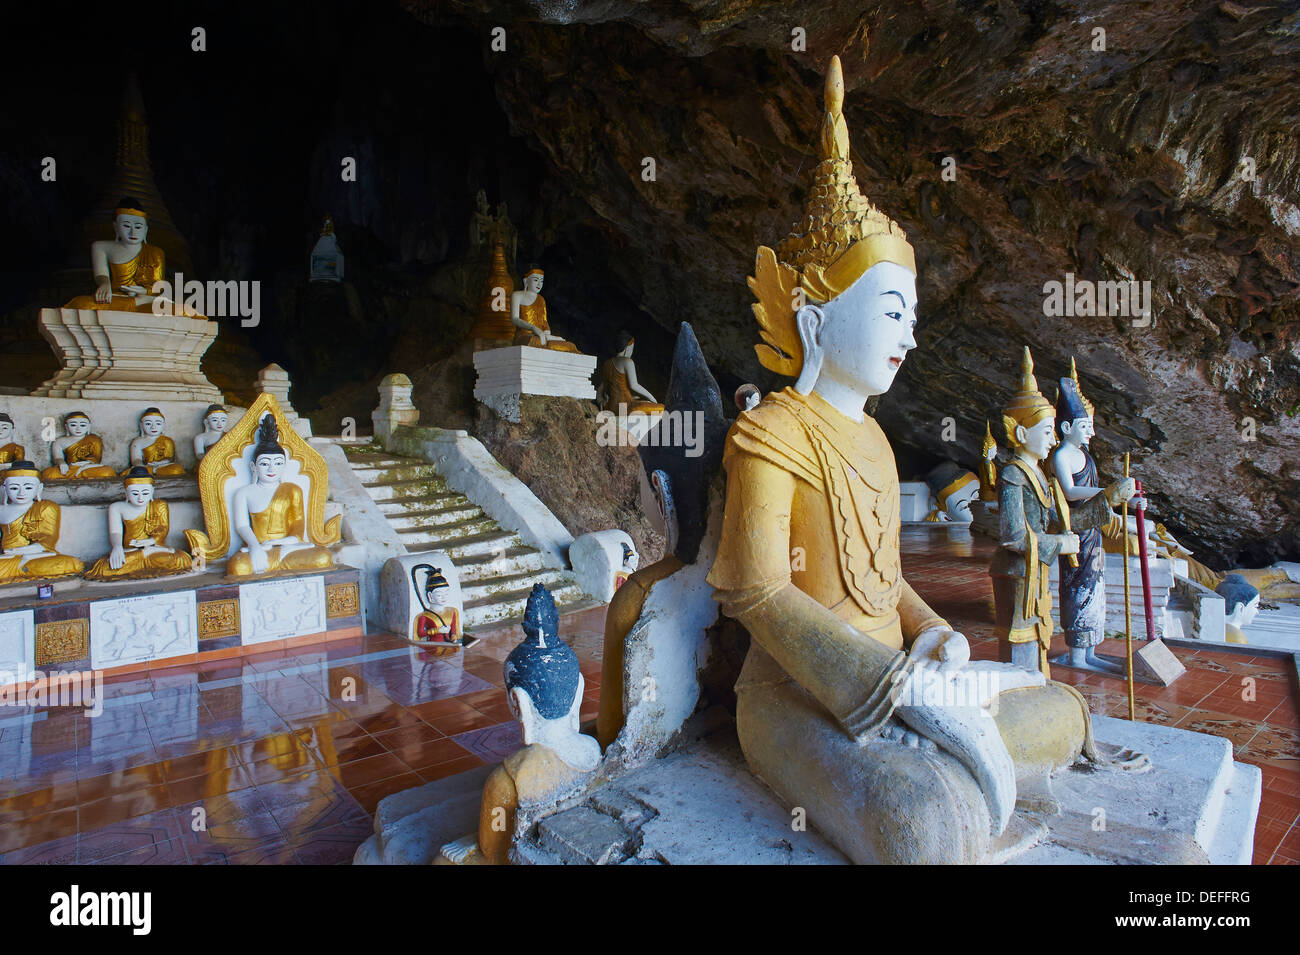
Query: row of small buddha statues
(79, 454)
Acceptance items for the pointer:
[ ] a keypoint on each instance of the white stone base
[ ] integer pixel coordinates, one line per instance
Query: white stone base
(505, 374)
(282, 609)
(134, 356)
(914, 501)
(1162, 582)
(596, 559)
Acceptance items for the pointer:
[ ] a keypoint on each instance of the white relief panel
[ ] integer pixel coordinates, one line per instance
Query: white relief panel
(136, 629)
(279, 609)
(17, 646)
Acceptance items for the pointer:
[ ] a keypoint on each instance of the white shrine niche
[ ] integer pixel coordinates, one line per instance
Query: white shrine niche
(138, 629)
(17, 646)
(280, 609)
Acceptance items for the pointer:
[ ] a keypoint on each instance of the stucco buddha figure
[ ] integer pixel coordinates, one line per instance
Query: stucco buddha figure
(9, 450)
(29, 530)
(619, 387)
(1038, 524)
(153, 450)
(215, 421)
(1240, 606)
(263, 490)
(544, 687)
(838, 703)
(954, 488)
(78, 454)
(125, 267)
(675, 485)
(137, 535)
(528, 315)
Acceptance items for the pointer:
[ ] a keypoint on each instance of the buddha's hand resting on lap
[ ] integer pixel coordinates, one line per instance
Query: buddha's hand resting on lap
(116, 557)
(258, 558)
(940, 648)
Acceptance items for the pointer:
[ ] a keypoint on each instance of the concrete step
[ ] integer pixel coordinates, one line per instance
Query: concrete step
(447, 533)
(404, 519)
(493, 543)
(509, 606)
(515, 560)
(407, 490)
(371, 477)
(494, 587)
(442, 500)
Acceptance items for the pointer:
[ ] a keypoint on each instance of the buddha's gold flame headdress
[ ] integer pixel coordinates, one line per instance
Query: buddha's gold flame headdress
(1027, 406)
(840, 236)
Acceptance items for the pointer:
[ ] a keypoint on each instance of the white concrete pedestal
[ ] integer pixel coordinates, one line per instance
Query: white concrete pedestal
(130, 355)
(506, 374)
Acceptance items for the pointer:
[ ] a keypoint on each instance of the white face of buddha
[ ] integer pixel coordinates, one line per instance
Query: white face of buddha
(268, 468)
(216, 421)
(6, 431)
(533, 283)
(139, 494)
(1039, 439)
(1077, 432)
(868, 331)
(131, 230)
(959, 501)
(22, 490)
(151, 425)
(1247, 612)
(77, 427)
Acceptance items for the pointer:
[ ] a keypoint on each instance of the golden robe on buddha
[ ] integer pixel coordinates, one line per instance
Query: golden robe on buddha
(143, 270)
(40, 525)
(153, 525)
(535, 315)
(162, 449)
(618, 394)
(12, 452)
(89, 448)
(284, 516)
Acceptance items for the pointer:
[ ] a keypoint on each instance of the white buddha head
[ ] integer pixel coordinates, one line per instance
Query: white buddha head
(152, 423)
(216, 419)
(625, 345)
(954, 488)
(533, 280)
(77, 424)
(1240, 600)
(6, 428)
(129, 222)
(269, 459)
(22, 484)
(138, 485)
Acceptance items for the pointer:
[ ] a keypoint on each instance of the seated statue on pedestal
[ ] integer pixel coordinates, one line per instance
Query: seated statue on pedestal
(215, 420)
(137, 536)
(269, 496)
(619, 383)
(9, 451)
(153, 450)
(544, 687)
(29, 530)
(953, 488)
(125, 267)
(1037, 527)
(77, 456)
(845, 704)
(528, 315)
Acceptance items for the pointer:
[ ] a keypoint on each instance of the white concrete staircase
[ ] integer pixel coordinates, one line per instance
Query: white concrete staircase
(497, 569)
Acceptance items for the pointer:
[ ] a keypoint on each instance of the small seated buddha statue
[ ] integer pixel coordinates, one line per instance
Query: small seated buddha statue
(9, 451)
(29, 530)
(153, 450)
(268, 515)
(1240, 604)
(77, 455)
(1037, 525)
(841, 705)
(137, 535)
(125, 267)
(528, 315)
(954, 488)
(544, 687)
(215, 420)
(619, 383)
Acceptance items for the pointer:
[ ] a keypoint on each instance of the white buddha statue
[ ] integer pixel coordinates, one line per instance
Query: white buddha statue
(9, 450)
(528, 315)
(620, 391)
(1240, 605)
(215, 421)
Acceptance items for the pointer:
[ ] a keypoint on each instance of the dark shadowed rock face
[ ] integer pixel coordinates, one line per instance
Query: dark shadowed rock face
(1128, 163)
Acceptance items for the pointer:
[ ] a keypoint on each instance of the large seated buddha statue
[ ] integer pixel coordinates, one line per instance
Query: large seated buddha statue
(528, 315)
(857, 701)
(77, 455)
(125, 267)
(29, 530)
(264, 487)
(153, 450)
(137, 535)
(620, 391)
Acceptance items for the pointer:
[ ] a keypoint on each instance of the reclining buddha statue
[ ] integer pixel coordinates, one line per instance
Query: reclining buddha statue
(265, 495)
(857, 702)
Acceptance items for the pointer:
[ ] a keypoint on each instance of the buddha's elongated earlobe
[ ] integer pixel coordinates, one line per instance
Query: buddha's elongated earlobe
(810, 320)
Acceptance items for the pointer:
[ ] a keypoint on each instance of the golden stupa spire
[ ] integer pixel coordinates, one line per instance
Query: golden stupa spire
(839, 237)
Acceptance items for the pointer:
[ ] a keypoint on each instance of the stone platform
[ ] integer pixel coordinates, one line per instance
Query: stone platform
(505, 374)
(701, 806)
(134, 625)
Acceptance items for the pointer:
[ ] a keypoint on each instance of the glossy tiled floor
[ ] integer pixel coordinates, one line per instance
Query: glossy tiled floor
(283, 757)
(275, 758)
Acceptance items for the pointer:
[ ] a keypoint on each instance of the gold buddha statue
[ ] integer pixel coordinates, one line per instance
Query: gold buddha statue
(77, 455)
(29, 530)
(153, 450)
(528, 315)
(137, 536)
(618, 383)
(125, 267)
(9, 451)
(269, 516)
(836, 709)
